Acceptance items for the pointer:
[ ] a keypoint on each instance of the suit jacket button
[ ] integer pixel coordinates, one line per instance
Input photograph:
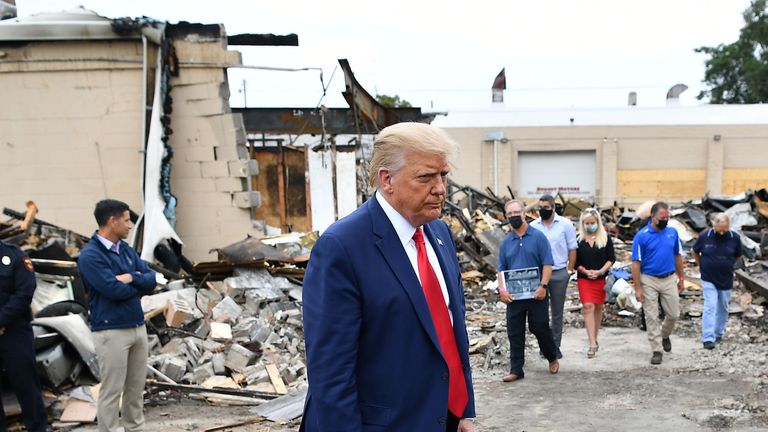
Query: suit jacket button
(444, 376)
(442, 420)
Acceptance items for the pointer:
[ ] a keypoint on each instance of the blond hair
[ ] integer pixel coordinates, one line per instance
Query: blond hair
(601, 237)
(394, 142)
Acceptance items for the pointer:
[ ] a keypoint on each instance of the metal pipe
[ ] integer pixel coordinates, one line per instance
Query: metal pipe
(496, 167)
(143, 111)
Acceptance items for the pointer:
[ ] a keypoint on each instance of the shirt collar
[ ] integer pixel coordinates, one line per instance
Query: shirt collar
(403, 228)
(712, 232)
(539, 221)
(108, 244)
(514, 233)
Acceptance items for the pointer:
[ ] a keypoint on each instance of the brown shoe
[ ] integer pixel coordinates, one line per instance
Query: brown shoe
(666, 344)
(554, 367)
(511, 377)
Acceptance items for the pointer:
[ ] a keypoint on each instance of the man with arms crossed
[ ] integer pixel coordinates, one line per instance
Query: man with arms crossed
(116, 278)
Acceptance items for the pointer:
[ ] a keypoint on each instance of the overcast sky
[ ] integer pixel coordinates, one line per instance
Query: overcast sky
(557, 53)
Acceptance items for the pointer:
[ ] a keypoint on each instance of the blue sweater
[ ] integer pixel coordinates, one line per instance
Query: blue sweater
(114, 305)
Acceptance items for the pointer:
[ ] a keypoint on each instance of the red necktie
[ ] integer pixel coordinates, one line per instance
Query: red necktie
(457, 386)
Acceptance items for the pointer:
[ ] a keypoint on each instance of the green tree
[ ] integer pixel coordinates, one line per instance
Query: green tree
(737, 73)
(393, 101)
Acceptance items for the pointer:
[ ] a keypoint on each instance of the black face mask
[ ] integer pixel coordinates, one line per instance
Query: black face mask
(662, 224)
(516, 221)
(720, 235)
(545, 214)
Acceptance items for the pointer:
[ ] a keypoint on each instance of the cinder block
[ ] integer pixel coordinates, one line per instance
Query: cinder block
(226, 311)
(174, 347)
(218, 361)
(244, 168)
(221, 331)
(239, 357)
(256, 374)
(215, 169)
(200, 91)
(197, 153)
(203, 329)
(174, 368)
(177, 313)
(246, 199)
(229, 152)
(184, 169)
(234, 58)
(197, 200)
(188, 75)
(200, 107)
(201, 51)
(203, 372)
(229, 184)
(180, 186)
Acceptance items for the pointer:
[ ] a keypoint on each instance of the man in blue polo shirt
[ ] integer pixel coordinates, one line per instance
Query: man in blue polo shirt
(526, 248)
(716, 250)
(657, 271)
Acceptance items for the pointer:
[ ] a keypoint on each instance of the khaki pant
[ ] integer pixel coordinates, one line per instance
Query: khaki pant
(122, 356)
(664, 289)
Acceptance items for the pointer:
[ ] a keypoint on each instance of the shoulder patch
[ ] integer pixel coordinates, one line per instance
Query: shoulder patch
(28, 264)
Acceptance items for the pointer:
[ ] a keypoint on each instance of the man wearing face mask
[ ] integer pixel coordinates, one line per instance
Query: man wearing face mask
(657, 272)
(716, 250)
(525, 248)
(562, 239)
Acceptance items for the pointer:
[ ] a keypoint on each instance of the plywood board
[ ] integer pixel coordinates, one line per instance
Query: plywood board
(736, 181)
(673, 185)
(277, 381)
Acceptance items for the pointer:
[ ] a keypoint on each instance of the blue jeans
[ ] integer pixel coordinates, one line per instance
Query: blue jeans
(715, 312)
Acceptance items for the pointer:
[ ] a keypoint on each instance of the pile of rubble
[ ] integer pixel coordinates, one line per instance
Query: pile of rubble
(228, 331)
(242, 332)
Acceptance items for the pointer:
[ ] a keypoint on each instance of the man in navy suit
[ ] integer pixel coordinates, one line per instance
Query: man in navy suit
(387, 346)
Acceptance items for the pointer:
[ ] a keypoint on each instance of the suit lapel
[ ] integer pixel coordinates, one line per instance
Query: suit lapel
(392, 250)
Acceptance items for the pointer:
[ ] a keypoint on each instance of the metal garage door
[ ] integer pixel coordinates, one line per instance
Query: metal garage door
(572, 173)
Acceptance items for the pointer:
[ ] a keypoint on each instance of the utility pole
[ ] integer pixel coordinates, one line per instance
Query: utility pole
(245, 96)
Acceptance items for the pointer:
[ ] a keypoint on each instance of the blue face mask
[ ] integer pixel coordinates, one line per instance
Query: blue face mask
(591, 228)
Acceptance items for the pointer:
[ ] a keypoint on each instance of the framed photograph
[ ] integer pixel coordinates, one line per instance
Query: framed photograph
(521, 283)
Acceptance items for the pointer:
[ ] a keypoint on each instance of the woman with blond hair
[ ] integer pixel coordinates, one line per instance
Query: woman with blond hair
(594, 257)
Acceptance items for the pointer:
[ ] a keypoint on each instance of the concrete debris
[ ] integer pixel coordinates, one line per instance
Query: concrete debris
(220, 331)
(226, 311)
(241, 331)
(178, 312)
(238, 357)
(232, 331)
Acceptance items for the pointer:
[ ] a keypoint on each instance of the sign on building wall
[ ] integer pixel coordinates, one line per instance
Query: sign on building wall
(571, 173)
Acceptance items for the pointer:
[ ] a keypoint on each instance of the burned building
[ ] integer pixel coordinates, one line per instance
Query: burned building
(135, 110)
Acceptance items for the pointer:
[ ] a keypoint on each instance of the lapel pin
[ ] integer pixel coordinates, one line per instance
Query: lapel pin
(440, 242)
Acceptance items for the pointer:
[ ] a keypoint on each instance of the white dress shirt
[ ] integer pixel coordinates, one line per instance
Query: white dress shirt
(405, 232)
(114, 247)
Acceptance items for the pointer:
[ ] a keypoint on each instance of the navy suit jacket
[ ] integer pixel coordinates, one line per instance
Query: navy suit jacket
(373, 358)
